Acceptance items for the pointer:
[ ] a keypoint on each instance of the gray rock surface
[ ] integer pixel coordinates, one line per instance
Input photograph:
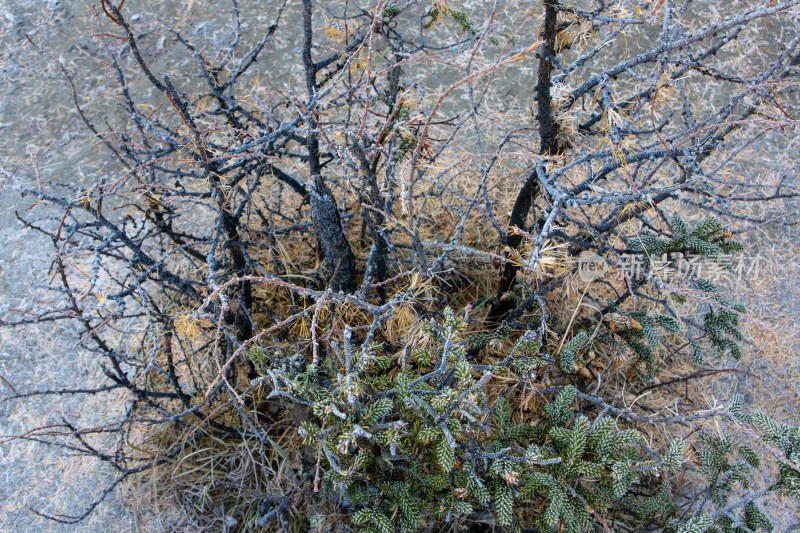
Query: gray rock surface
(34, 113)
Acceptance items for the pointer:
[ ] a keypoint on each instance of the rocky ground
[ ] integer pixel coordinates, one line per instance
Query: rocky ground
(32, 476)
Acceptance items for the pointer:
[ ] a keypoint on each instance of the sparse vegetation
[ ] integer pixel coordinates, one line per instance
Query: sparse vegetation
(351, 292)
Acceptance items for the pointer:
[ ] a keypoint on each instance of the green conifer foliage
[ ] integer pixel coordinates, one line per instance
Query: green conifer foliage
(429, 444)
(411, 443)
